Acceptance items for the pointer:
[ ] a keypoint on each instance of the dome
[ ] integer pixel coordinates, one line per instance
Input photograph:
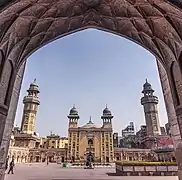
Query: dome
(33, 86)
(34, 83)
(106, 111)
(73, 111)
(90, 124)
(147, 86)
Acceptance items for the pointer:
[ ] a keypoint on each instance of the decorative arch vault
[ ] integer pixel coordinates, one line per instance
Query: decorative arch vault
(26, 25)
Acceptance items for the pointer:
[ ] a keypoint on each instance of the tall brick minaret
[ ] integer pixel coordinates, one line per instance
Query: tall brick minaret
(31, 103)
(150, 105)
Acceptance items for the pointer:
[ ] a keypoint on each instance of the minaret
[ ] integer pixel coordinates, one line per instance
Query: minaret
(31, 102)
(150, 104)
(73, 118)
(107, 118)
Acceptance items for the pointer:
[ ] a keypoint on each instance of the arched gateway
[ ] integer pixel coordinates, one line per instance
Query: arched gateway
(26, 25)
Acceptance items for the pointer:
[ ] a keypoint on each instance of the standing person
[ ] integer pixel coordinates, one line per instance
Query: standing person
(11, 167)
(7, 160)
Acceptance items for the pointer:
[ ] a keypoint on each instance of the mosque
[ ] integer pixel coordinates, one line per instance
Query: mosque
(89, 138)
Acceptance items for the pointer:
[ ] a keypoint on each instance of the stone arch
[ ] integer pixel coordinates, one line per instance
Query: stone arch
(28, 25)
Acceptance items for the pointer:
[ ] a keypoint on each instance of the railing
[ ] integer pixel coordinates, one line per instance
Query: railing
(146, 169)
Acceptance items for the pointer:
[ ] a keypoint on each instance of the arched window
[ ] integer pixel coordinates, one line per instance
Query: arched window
(90, 142)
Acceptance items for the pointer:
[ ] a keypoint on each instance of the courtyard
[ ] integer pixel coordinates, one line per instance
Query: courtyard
(54, 172)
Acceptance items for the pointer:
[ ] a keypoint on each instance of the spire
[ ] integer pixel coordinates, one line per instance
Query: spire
(34, 80)
(146, 80)
(90, 120)
(106, 105)
(73, 105)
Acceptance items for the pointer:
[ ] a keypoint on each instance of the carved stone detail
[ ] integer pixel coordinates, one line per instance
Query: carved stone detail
(2, 153)
(28, 25)
(5, 80)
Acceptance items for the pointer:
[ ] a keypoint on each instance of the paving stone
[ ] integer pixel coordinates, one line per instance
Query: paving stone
(55, 172)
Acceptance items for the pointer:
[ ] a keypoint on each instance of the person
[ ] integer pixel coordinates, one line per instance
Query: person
(11, 167)
(7, 159)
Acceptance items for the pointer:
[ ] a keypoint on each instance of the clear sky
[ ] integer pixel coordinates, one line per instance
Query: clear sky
(90, 69)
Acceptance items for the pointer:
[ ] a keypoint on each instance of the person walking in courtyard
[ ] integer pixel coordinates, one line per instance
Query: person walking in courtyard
(11, 167)
(7, 160)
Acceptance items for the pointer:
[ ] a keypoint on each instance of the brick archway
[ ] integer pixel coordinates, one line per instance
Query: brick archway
(26, 25)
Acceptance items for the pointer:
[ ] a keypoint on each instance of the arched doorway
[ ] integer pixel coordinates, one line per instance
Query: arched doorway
(28, 25)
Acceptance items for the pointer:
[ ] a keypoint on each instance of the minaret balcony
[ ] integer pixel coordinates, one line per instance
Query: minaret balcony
(149, 99)
(28, 99)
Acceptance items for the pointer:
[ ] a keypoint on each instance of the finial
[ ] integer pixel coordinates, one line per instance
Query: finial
(106, 105)
(146, 80)
(34, 80)
(73, 105)
(90, 119)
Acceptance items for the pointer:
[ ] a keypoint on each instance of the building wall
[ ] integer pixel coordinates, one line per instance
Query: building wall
(102, 144)
(53, 142)
(20, 154)
(63, 142)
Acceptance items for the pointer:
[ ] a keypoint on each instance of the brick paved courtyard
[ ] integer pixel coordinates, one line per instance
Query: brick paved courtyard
(54, 172)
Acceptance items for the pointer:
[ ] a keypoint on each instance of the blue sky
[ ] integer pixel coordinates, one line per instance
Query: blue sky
(90, 69)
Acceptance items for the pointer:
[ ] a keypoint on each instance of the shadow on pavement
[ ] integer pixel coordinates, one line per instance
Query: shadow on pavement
(112, 174)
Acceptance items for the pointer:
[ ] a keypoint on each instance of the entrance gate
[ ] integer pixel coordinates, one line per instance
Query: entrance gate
(27, 25)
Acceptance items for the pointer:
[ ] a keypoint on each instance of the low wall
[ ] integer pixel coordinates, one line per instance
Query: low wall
(146, 170)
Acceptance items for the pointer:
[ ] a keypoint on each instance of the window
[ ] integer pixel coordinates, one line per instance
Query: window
(107, 137)
(25, 127)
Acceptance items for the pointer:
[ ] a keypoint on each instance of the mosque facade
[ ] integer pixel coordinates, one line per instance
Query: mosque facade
(90, 138)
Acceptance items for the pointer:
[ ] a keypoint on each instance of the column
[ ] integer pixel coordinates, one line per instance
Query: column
(172, 118)
(178, 152)
(9, 121)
